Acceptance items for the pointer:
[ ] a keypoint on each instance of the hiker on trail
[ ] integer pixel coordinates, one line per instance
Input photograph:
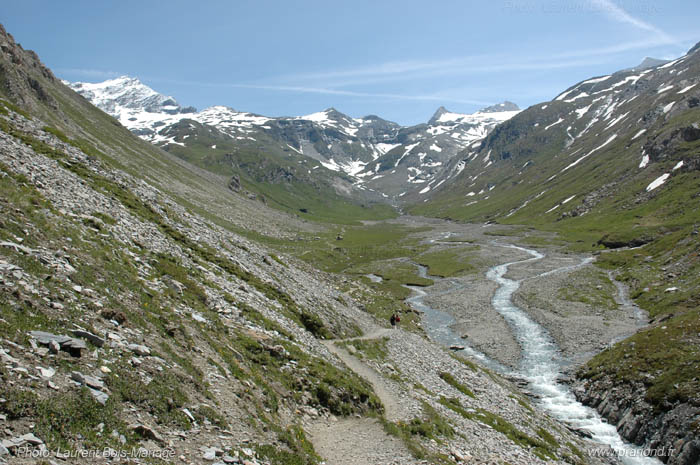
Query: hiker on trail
(392, 320)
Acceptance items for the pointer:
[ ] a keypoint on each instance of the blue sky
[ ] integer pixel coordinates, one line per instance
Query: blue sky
(398, 59)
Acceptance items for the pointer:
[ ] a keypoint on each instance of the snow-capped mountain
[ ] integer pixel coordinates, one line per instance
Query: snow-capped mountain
(422, 152)
(618, 138)
(128, 96)
(358, 147)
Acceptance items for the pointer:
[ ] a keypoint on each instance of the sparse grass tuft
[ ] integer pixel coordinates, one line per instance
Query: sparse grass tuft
(449, 379)
(544, 449)
(374, 349)
(296, 449)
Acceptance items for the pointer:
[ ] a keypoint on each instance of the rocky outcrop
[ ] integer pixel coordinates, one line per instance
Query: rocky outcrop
(235, 183)
(612, 242)
(56, 342)
(16, 82)
(671, 432)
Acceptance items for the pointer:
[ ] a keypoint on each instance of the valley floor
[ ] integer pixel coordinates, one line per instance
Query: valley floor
(572, 299)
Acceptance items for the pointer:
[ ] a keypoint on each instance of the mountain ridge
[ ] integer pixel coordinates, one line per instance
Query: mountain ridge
(339, 142)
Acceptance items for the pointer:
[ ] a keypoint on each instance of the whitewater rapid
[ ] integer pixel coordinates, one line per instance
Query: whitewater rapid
(541, 362)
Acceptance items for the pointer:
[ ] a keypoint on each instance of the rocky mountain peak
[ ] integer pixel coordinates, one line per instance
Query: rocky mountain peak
(695, 48)
(650, 62)
(334, 114)
(503, 106)
(20, 74)
(647, 62)
(438, 113)
(340, 142)
(128, 92)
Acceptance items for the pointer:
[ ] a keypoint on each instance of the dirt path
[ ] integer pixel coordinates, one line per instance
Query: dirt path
(358, 441)
(381, 385)
(362, 441)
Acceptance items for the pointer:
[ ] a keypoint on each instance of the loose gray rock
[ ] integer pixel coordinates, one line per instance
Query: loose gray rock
(66, 343)
(96, 340)
(54, 347)
(7, 358)
(175, 285)
(46, 373)
(99, 396)
(146, 433)
(87, 380)
(45, 338)
(12, 444)
(211, 453)
(140, 349)
(29, 438)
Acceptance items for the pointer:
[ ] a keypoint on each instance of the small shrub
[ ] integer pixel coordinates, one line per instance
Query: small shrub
(216, 418)
(315, 325)
(63, 417)
(105, 217)
(18, 403)
(162, 397)
(433, 427)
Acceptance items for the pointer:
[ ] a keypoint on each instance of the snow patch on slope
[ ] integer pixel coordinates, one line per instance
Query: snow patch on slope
(658, 182)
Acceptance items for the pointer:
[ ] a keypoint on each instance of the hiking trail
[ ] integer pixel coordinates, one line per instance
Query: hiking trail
(362, 441)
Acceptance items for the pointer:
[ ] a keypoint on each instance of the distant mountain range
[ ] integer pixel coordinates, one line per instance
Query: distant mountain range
(363, 148)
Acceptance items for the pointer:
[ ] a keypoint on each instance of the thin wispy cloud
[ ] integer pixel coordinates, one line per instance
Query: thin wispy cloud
(620, 15)
(88, 73)
(395, 71)
(349, 93)
(321, 91)
(612, 50)
(394, 80)
(461, 67)
(341, 81)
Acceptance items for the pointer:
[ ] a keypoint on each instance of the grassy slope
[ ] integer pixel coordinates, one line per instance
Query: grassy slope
(287, 181)
(102, 264)
(378, 248)
(110, 269)
(106, 266)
